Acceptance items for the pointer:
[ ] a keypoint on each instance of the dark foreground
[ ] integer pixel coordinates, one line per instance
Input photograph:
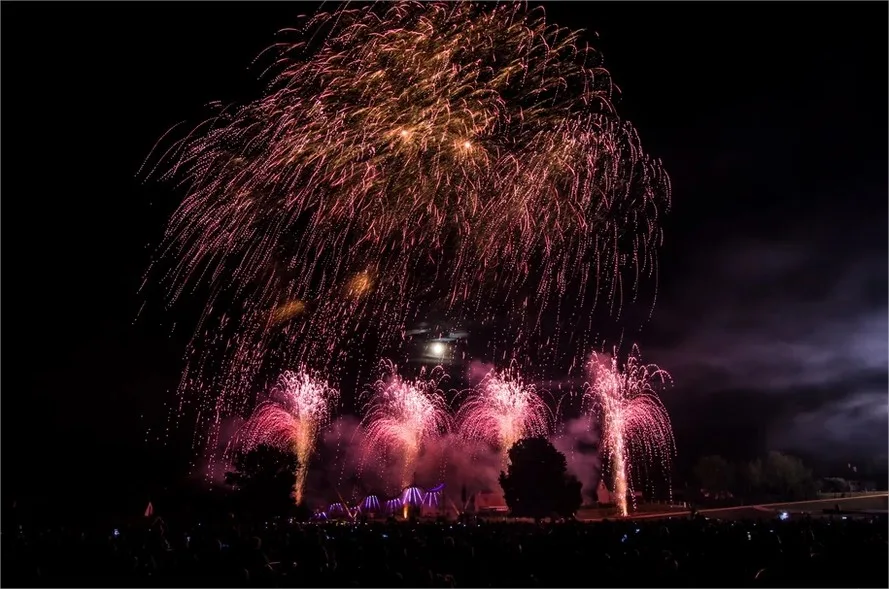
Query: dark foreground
(818, 552)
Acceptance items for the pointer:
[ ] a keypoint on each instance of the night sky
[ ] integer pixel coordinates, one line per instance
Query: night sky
(772, 311)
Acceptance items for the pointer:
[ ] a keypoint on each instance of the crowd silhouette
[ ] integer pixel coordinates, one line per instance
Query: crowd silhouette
(829, 551)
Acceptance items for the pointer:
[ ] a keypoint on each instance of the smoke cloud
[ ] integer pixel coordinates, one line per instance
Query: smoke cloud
(348, 468)
(578, 441)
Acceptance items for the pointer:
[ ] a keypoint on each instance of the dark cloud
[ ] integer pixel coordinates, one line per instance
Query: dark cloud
(783, 339)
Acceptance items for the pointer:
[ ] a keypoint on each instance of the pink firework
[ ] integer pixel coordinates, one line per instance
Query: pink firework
(635, 426)
(402, 414)
(502, 410)
(300, 405)
(405, 156)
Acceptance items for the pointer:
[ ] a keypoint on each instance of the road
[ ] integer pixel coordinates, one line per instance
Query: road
(874, 502)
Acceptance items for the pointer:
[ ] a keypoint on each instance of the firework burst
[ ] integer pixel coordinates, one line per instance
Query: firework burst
(402, 414)
(422, 153)
(502, 410)
(635, 425)
(301, 405)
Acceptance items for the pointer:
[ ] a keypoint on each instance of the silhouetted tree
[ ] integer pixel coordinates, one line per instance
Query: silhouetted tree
(715, 475)
(263, 480)
(835, 485)
(787, 477)
(537, 484)
(751, 479)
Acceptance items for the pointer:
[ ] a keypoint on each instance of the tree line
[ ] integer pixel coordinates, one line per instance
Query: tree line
(777, 477)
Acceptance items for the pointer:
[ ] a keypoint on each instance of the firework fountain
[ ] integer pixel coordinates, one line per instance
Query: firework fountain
(301, 404)
(402, 414)
(635, 425)
(503, 409)
(406, 155)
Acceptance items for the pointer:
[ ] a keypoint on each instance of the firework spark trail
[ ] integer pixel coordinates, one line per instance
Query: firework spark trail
(301, 405)
(401, 415)
(503, 409)
(635, 425)
(477, 144)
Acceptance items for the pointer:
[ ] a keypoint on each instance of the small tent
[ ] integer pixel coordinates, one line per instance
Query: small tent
(603, 495)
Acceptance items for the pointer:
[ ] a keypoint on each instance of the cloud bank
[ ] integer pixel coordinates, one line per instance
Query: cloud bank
(786, 342)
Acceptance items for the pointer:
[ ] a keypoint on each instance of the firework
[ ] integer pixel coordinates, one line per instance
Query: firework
(288, 311)
(406, 155)
(301, 405)
(402, 414)
(635, 425)
(502, 410)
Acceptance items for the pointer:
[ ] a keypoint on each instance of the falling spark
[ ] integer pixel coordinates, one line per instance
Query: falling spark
(459, 155)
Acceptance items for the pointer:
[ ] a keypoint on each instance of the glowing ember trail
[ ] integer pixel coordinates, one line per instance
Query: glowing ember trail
(402, 414)
(502, 410)
(635, 425)
(406, 156)
(301, 406)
